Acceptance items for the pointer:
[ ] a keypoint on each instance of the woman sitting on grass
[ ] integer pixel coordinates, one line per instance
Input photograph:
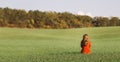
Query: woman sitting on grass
(85, 44)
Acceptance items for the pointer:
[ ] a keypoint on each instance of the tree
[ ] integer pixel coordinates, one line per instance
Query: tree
(38, 19)
(102, 21)
(86, 21)
(114, 21)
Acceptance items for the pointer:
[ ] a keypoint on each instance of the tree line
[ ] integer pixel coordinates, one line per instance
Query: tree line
(56, 20)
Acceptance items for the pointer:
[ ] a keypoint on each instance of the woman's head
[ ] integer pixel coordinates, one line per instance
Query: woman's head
(85, 37)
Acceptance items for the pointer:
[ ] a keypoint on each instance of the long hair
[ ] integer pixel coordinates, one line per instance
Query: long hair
(84, 41)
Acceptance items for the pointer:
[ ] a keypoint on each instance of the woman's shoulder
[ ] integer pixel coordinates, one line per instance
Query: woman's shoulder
(89, 40)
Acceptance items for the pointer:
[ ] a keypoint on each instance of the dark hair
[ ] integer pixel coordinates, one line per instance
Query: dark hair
(85, 35)
(83, 42)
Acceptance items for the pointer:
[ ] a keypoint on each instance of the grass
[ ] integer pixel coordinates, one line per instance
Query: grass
(59, 45)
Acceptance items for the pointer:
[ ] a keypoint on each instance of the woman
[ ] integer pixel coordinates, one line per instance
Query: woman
(85, 44)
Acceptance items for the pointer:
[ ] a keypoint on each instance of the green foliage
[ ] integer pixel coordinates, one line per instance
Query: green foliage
(114, 21)
(102, 21)
(38, 19)
(58, 45)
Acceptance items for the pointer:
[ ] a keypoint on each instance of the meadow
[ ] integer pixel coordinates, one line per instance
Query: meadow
(59, 45)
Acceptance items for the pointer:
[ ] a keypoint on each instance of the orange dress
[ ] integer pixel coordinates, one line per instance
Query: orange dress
(86, 48)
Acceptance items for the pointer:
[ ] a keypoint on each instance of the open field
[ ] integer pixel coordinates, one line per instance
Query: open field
(59, 45)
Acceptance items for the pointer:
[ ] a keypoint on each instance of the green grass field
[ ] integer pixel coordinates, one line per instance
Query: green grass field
(59, 45)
